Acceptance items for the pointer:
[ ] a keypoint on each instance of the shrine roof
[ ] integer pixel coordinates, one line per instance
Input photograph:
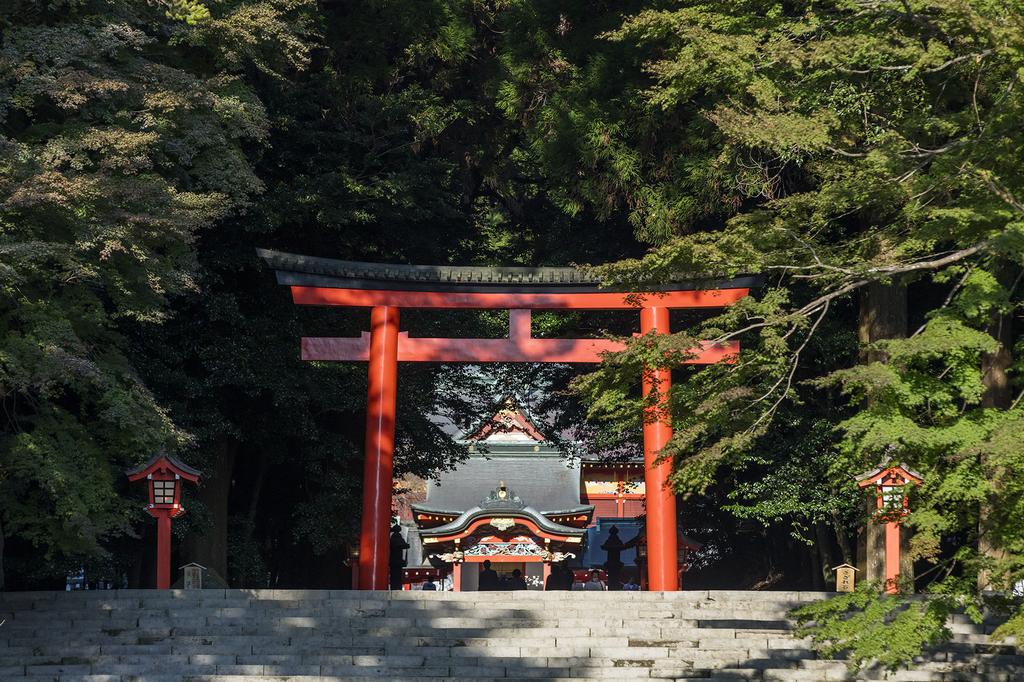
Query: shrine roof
(544, 480)
(438, 511)
(887, 464)
(171, 459)
(503, 502)
(598, 460)
(298, 270)
(467, 518)
(511, 423)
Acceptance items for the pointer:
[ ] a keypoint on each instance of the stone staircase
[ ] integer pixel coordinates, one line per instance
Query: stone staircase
(305, 635)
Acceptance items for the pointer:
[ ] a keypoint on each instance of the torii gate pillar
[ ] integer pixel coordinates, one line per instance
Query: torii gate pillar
(378, 467)
(662, 557)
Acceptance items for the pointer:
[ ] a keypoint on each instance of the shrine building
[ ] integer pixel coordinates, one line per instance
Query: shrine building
(520, 503)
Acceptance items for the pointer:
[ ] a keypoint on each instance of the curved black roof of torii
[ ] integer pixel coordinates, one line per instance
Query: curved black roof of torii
(298, 270)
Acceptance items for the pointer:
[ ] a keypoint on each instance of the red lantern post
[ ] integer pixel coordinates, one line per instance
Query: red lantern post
(164, 474)
(891, 482)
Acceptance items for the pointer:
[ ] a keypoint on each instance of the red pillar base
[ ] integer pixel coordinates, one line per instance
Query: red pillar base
(163, 551)
(892, 557)
(378, 471)
(662, 538)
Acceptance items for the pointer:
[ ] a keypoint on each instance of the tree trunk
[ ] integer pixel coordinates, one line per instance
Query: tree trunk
(883, 315)
(824, 545)
(998, 395)
(257, 488)
(210, 549)
(3, 582)
(249, 526)
(842, 539)
(871, 544)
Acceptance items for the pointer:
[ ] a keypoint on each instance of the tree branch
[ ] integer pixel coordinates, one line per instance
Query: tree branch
(907, 67)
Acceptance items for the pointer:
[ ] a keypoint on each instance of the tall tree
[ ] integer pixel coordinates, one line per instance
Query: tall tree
(842, 147)
(114, 156)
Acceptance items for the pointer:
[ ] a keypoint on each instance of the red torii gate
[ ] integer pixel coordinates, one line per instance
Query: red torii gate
(385, 289)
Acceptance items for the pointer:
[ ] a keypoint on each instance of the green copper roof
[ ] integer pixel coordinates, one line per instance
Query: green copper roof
(469, 274)
(297, 270)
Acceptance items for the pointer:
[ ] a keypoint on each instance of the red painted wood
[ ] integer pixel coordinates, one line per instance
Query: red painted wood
(163, 550)
(662, 561)
(892, 557)
(384, 348)
(520, 323)
(632, 507)
(600, 300)
(493, 350)
(378, 471)
(604, 507)
(457, 578)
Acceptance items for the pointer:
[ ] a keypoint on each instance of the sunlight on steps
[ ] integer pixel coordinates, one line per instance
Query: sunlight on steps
(305, 635)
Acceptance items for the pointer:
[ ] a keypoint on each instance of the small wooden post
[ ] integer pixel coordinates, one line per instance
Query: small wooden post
(846, 578)
(457, 577)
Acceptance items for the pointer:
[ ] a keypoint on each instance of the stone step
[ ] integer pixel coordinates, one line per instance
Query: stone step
(234, 615)
(236, 635)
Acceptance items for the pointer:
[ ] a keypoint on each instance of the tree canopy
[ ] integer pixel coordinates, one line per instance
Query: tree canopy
(860, 156)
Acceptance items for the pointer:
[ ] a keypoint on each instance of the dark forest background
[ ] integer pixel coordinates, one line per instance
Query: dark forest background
(863, 157)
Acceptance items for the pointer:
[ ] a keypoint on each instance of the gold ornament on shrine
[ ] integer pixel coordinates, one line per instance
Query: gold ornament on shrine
(503, 523)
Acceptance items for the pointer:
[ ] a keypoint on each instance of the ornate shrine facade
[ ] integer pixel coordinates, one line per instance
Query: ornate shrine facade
(517, 502)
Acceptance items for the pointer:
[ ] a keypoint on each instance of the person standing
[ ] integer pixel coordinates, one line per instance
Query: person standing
(517, 581)
(488, 578)
(613, 566)
(595, 584)
(567, 577)
(396, 558)
(558, 579)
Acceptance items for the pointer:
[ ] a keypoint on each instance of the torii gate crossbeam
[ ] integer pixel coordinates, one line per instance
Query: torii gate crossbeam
(388, 288)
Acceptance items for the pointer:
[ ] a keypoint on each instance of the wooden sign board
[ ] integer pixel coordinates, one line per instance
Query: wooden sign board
(846, 578)
(193, 577)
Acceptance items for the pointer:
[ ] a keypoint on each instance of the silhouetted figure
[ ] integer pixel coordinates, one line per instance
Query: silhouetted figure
(396, 559)
(517, 582)
(429, 586)
(555, 579)
(488, 578)
(561, 577)
(613, 566)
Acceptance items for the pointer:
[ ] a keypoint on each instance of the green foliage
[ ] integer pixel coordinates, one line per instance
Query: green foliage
(146, 148)
(832, 148)
(114, 156)
(870, 628)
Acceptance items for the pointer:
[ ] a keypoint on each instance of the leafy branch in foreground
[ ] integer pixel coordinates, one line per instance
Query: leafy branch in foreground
(870, 628)
(861, 160)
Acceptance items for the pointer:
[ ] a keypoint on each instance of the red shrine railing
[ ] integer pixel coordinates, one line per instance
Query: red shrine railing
(388, 288)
